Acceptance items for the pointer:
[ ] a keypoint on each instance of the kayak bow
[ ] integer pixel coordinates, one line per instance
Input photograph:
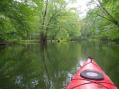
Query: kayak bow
(90, 76)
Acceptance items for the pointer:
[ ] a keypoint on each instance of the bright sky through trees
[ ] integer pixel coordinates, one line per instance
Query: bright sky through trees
(82, 6)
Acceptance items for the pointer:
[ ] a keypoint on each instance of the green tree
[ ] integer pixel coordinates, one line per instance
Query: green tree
(102, 22)
(18, 18)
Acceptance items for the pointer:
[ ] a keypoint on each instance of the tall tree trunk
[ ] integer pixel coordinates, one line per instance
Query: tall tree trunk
(43, 39)
(43, 34)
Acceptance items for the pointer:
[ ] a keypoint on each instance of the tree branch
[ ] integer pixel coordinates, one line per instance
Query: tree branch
(112, 19)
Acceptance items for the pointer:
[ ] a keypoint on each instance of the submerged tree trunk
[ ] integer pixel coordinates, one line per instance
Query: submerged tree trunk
(43, 39)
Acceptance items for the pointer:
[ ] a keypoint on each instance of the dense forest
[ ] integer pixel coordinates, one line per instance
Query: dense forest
(51, 20)
(102, 22)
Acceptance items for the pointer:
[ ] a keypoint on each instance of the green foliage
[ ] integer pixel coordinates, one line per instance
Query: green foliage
(18, 19)
(102, 22)
(26, 19)
(58, 23)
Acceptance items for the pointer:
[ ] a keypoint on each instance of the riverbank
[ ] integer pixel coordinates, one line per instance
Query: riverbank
(56, 41)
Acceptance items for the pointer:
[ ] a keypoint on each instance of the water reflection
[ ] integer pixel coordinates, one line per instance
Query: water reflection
(31, 67)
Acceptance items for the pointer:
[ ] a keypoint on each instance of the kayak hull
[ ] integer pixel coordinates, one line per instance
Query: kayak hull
(79, 82)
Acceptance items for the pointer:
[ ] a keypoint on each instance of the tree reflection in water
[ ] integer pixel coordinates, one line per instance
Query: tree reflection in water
(31, 67)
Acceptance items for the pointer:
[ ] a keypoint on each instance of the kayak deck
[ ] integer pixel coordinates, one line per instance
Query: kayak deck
(97, 78)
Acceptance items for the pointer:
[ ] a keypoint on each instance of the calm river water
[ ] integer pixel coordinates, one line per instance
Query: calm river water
(31, 67)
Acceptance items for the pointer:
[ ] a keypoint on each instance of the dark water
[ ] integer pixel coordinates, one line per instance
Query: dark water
(30, 67)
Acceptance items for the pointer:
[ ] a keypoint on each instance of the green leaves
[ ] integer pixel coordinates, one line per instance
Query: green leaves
(103, 21)
(23, 19)
(17, 19)
(58, 22)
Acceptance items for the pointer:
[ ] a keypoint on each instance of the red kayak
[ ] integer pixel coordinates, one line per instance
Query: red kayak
(90, 76)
